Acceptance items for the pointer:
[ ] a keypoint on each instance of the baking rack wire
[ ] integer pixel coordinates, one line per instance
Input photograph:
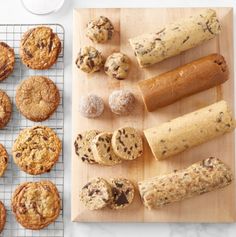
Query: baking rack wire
(11, 34)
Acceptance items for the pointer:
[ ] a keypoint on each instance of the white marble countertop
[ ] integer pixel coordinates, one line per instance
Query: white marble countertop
(13, 12)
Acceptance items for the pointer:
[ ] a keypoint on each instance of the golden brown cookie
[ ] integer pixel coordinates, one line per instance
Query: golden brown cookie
(3, 216)
(7, 60)
(36, 149)
(36, 204)
(37, 98)
(3, 160)
(5, 109)
(40, 48)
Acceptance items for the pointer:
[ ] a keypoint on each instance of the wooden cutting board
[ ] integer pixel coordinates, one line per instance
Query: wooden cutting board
(218, 206)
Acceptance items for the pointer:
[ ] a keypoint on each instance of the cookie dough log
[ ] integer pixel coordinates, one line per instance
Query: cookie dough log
(182, 133)
(183, 81)
(202, 177)
(175, 38)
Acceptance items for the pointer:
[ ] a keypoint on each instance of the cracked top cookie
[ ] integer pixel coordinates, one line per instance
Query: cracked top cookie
(7, 60)
(37, 98)
(36, 204)
(40, 48)
(5, 109)
(3, 160)
(36, 150)
(3, 216)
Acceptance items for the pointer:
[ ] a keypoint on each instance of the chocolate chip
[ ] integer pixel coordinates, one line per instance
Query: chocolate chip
(121, 200)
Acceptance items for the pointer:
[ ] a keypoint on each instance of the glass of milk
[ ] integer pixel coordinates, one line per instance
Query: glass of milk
(42, 7)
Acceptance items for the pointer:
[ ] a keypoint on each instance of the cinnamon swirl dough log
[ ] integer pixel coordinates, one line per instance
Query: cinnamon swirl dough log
(182, 133)
(201, 177)
(175, 38)
(183, 81)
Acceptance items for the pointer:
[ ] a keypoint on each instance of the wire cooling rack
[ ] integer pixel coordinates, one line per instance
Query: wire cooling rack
(11, 34)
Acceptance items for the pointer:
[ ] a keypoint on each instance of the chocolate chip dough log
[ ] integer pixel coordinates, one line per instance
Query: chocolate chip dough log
(183, 81)
(175, 38)
(182, 133)
(201, 177)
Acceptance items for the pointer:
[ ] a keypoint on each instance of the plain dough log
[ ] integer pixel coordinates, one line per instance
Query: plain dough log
(201, 177)
(192, 129)
(175, 38)
(183, 81)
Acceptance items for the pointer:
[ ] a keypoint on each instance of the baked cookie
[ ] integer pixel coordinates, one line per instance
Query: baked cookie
(89, 59)
(91, 106)
(40, 48)
(7, 60)
(83, 146)
(37, 98)
(117, 66)
(121, 102)
(122, 193)
(127, 143)
(3, 160)
(96, 194)
(100, 30)
(36, 204)
(5, 109)
(36, 150)
(102, 150)
(3, 216)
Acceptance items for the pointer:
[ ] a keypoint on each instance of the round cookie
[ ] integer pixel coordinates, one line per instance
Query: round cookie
(100, 30)
(102, 150)
(83, 146)
(117, 66)
(122, 193)
(36, 204)
(89, 60)
(36, 150)
(91, 106)
(40, 48)
(3, 216)
(37, 98)
(121, 102)
(3, 159)
(96, 194)
(127, 143)
(5, 109)
(7, 60)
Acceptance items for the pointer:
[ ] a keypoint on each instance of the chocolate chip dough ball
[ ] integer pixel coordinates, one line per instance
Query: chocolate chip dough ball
(100, 30)
(91, 106)
(121, 102)
(89, 59)
(117, 66)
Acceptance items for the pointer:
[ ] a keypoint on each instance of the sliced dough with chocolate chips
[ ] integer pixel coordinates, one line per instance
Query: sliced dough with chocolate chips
(102, 150)
(96, 194)
(122, 193)
(127, 143)
(83, 146)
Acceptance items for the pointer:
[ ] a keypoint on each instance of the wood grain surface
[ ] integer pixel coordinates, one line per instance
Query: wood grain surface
(218, 206)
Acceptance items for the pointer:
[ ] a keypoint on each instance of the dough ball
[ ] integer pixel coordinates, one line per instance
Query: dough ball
(91, 106)
(121, 102)
(117, 66)
(89, 59)
(100, 30)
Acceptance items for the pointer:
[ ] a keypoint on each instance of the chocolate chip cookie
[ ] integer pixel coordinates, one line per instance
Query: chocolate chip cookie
(7, 60)
(36, 150)
(122, 193)
(5, 109)
(36, 204)
(3, 216)
(83, 146)
(96, 194)
(3, 159)
(40, 48)
(37, 98)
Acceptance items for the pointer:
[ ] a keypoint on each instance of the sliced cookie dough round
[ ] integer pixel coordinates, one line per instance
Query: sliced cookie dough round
(83, 146)
(102, 150)
(3, 216)
(3, 159)
(122, 193)
(127, 143)
(96, 194)
(5, 109)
